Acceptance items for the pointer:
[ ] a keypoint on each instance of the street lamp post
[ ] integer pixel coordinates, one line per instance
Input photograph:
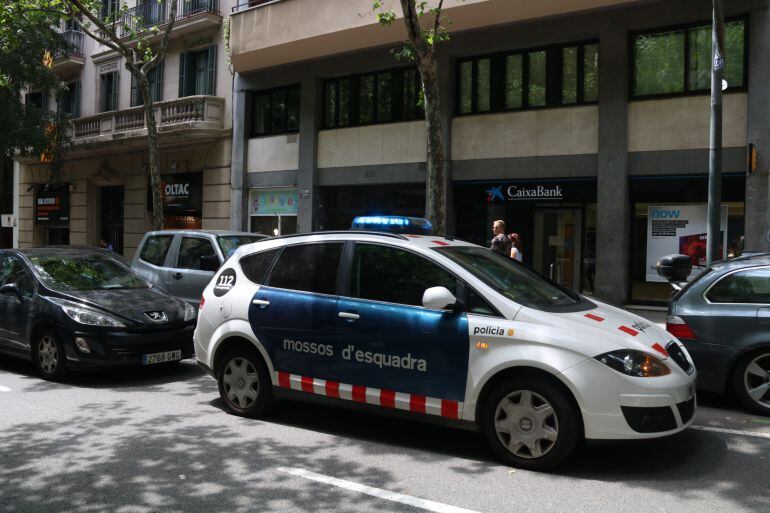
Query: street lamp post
(713, 236)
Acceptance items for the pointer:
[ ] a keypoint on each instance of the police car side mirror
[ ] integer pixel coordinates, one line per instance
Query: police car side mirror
(438, 298)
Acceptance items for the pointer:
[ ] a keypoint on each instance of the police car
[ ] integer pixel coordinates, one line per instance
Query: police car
(442, 330)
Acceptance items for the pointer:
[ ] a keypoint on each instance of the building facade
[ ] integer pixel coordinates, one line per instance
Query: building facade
(104, 191)
(577, 123)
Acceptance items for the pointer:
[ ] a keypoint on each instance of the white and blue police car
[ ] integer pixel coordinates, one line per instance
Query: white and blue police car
(440, 329)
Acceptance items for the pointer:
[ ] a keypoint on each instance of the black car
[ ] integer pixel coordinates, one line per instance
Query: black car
(69, 308)
(723, 318)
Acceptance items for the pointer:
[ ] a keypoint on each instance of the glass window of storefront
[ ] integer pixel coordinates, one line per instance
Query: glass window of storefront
(345, 203)
(273, 211)
(669, 216)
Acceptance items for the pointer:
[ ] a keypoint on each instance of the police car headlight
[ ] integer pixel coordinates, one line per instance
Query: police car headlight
(189, 312)
(85, 315)
(634, 363)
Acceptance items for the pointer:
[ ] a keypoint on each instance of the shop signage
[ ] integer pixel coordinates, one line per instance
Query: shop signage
(679, 229)
(525, 192)
(181, 194)
(52, 206)
(270, 202)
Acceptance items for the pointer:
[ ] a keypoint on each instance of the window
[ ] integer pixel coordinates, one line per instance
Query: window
(69, 99)
(256, 266)
(750, 286)
(155, 77)
(381, 97)
(393, 275)
(12, 271)
(191, 250)
(553, 76)
(229, 243)
(308, 267)
(275, 111)
(37, 98)
(155, 249)
(110, 85)
(110, 8)
(679, 61)
(198, 72)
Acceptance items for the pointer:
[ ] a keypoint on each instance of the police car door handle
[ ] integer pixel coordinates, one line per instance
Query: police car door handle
(261, 302)
(350, 316)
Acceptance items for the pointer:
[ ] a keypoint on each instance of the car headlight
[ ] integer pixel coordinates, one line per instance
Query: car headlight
(189, 312)
(85, 315)
(634, 363)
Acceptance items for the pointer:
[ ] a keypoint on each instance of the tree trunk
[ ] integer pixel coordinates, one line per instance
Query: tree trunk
(152, 136)
(435, 186)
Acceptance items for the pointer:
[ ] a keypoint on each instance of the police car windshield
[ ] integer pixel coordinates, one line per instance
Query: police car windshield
(509, 278)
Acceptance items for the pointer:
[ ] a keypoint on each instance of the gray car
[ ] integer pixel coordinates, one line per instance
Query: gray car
(182, 262)
(723, 318)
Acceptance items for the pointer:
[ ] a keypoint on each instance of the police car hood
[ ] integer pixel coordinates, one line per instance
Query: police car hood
(603, 329)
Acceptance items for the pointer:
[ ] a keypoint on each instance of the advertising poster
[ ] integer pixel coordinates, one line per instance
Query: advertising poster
(680, 229)
(272, 202)
(52, 206)
(182, 194)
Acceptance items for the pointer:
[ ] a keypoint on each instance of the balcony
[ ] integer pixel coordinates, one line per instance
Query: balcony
(267, 33)
(72, 61)
(181, 120)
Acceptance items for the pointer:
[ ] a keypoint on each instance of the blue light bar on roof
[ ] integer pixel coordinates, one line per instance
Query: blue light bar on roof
(393, 224)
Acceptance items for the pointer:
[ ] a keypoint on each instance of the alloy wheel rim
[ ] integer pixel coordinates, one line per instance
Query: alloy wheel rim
(48, 354)
(756, 379)
(241, 382)
(526, 424)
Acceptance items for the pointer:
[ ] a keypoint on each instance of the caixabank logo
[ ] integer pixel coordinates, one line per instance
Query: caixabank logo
(521, 192)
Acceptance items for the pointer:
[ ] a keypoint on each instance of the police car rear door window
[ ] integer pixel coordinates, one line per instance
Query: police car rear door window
(308, 267)
(256, 266)
(393, 275)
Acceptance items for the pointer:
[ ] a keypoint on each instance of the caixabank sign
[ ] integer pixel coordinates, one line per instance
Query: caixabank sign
(525, 192)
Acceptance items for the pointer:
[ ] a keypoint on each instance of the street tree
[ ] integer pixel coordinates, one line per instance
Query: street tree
(28, 43)
(425, 28)
(142, 41)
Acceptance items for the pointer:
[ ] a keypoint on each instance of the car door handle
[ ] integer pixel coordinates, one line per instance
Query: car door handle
(261, 302)
(350, 316)
(177, 276)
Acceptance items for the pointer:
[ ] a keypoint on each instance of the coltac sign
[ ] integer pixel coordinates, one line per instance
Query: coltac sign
(525, 192)
(181, 193)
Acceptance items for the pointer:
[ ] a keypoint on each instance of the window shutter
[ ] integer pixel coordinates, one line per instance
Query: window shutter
(183, 57)
(75, 95)
(211, 62)
(115, 89)
(135, 92)
(103, 93)
(157, 94)
(45, 100)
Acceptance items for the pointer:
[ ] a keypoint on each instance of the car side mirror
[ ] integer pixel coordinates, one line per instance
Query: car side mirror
(11, 289)
(439, 298)
(209, 263)
(674, 268)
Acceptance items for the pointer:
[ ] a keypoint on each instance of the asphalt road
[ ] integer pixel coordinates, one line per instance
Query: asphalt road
(157, 439)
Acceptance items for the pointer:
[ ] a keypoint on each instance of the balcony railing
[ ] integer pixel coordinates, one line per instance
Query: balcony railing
(74, 39)
(201, 111)
(153, 13)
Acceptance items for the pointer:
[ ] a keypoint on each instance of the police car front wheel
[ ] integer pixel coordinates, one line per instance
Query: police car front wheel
(531, 423)
(244, 383)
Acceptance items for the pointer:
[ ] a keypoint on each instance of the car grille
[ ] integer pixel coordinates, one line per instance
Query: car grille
(686, 410)
(676, 354)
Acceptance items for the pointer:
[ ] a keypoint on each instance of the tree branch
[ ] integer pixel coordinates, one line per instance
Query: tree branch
(85, 28)
(161, 53)
(82, 9)
(437, 21)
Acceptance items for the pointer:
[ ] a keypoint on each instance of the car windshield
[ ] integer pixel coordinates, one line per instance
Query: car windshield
(510, 278)
(85, 272)
(229, 243)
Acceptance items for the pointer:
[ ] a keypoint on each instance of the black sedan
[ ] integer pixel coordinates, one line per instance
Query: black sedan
(69, 308)
(723, 318)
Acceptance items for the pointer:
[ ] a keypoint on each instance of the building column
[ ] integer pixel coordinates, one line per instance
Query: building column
(16, 196)
(238, 192)
(445, 84)
(310, 108)
(757, 214)
(613, 224)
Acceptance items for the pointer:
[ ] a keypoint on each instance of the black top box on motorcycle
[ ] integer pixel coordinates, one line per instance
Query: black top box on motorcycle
(674, 267)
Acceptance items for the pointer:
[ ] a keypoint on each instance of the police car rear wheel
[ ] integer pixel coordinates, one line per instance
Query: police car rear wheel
(531, 423)
(244, 384)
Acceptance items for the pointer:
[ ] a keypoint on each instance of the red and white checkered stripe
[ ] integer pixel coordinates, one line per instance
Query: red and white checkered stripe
(369, 395)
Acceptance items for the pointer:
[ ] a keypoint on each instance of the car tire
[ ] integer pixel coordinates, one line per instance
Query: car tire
(49, 356)
(531, 423)
(751, 382)
(244, 383)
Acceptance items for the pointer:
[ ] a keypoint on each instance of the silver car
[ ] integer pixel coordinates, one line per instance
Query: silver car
(182, 262)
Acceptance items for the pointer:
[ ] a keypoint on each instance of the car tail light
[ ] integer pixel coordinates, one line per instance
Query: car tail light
(203, 301)
(677, 327)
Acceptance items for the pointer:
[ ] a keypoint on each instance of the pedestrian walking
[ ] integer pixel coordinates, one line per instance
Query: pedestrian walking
(515, 246)
(500, 241)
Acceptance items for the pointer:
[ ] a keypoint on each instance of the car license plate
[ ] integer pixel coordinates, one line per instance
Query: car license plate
(168, 356)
